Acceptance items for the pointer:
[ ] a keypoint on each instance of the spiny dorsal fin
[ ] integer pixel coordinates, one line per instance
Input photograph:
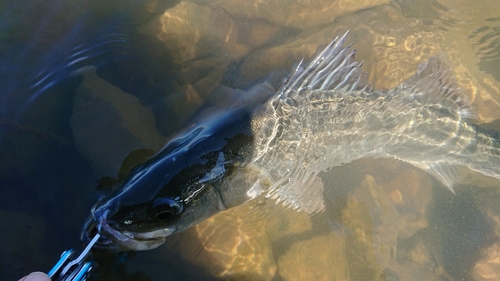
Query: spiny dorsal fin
(333, 68)
(435, 83)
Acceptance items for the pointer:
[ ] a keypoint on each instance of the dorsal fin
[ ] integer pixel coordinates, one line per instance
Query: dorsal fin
(435, 83)
(333, 68)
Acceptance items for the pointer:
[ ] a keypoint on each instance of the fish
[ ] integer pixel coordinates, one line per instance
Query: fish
(326, 114)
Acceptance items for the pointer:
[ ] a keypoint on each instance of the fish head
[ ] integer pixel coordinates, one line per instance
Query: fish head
(172, 191)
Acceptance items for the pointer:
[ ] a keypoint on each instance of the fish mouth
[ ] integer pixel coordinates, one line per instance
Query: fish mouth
(112, 240)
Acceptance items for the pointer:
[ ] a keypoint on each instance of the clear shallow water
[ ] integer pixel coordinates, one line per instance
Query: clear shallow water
(86, 83)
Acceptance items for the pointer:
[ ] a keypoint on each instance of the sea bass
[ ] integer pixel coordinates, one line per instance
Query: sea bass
(326, 114)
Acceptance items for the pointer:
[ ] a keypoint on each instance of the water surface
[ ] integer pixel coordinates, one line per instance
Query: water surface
(86, 83)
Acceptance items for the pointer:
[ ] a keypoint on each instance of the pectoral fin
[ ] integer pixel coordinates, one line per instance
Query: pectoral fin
(302, 195)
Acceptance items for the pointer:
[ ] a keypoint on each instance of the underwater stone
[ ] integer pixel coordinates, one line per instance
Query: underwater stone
(296, 13)
(411, 193)
(488, 268)
(231, 245)
(415, 262)
(191, 31)
(108, 124)
(238, 244)
(488, 265)
(308, 259)
(373, 221)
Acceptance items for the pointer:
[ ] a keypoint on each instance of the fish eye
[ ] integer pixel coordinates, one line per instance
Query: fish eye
(164, 209)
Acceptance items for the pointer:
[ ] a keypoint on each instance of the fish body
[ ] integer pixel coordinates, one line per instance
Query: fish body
(325, 115)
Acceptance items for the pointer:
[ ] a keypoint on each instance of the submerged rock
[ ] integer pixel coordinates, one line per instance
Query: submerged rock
(415, 263)
(380, 216)
(372, 221)
(411, 194)
(283, 222)
(296, 13)
(488, 267)
(183, 102)
(238, 244)
(319, 258)
(192, 31)
(108, 124)
(231, 245)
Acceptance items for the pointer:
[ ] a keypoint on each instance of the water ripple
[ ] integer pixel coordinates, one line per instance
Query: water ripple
(488, 46)
(78, 60)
